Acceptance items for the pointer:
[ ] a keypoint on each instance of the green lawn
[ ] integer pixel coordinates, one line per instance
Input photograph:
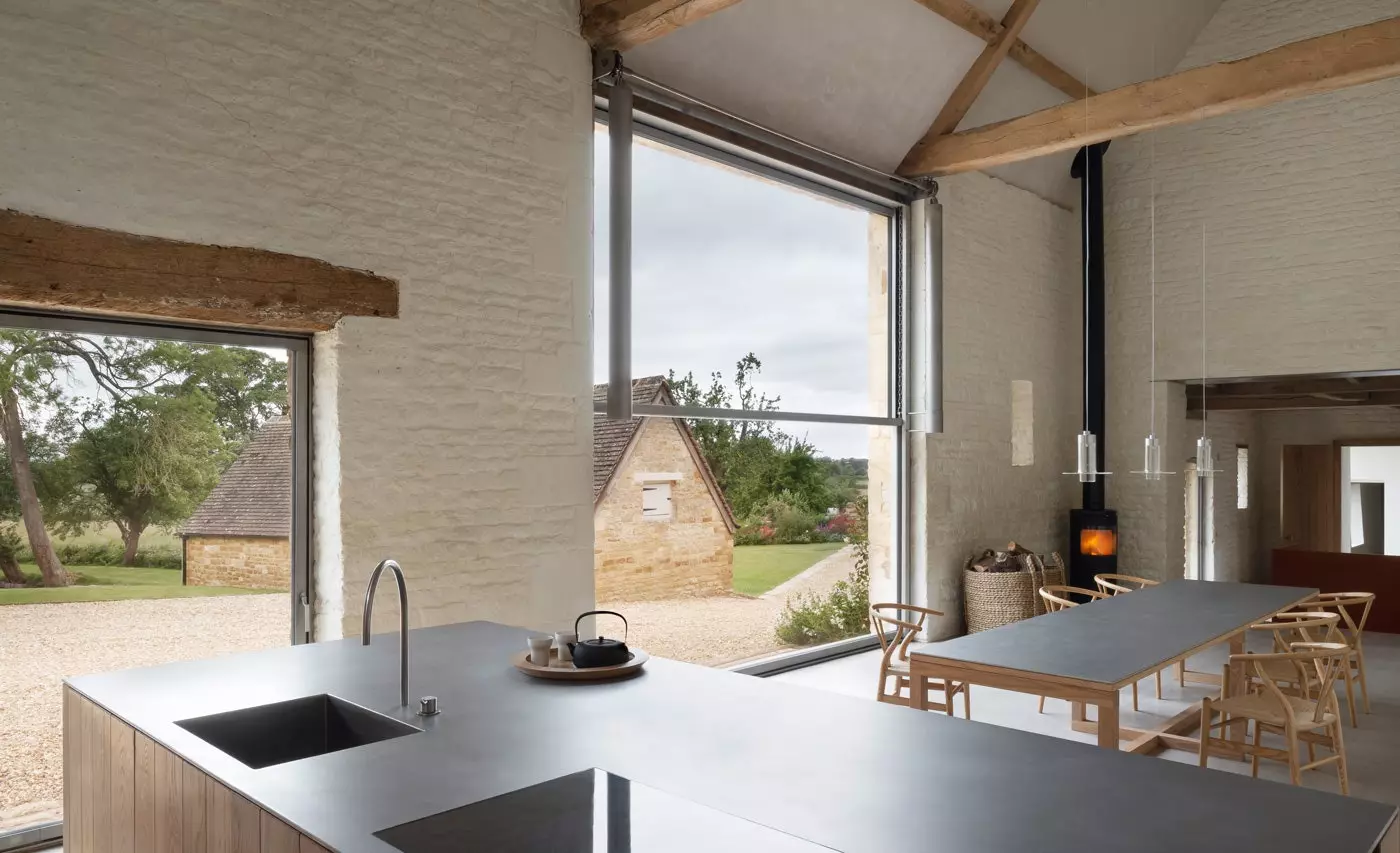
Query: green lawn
(115, 583)
(759, 568)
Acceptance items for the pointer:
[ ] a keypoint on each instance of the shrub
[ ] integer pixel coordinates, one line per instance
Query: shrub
(108, 554)
(842, 612)
(754, 534)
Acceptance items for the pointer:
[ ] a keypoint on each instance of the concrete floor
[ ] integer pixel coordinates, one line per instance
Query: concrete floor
(1373, 749)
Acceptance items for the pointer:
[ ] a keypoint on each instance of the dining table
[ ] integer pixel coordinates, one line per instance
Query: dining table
(1087, 654)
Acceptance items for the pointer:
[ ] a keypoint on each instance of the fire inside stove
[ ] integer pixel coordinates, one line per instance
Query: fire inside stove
(1098, 543)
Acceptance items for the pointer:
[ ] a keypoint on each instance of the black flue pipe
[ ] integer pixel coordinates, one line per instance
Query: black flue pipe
(1088, 170)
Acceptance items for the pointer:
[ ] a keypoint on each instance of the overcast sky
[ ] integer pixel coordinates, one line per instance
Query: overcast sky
(725, 264)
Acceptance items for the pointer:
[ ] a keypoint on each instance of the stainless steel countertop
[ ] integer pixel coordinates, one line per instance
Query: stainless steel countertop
(844, 772)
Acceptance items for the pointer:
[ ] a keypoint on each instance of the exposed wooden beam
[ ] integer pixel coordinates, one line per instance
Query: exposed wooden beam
(1324, 64)
(1303, 386)
(1220, 403)
(985, 27)
(976, 78)
(49, 264)
(625, 24)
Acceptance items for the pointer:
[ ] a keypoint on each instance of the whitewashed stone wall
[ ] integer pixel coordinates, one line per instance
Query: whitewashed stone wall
(1297, 202)
(1012, 311)
(446, 145)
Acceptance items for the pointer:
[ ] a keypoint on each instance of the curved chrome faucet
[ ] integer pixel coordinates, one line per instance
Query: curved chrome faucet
(403, 621)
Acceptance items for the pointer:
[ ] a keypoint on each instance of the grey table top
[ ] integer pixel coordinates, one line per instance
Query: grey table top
(844, 772)
(1111, 641)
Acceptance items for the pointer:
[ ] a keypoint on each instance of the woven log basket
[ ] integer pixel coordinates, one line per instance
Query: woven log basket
(993, 599)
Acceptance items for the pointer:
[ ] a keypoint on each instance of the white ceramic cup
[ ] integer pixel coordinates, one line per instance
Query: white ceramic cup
(540, 645)
(561, 642)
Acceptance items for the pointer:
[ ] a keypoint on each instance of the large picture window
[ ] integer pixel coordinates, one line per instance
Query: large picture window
(153, 509)
(766, 312)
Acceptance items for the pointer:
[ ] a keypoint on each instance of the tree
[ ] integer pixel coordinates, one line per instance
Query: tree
(31, 363)
(248, 387)
(752, 460)
(149, 460)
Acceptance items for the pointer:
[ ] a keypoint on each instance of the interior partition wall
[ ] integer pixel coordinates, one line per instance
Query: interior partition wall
(638, 110)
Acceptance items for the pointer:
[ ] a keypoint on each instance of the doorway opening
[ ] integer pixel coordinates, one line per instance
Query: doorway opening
(153, 509)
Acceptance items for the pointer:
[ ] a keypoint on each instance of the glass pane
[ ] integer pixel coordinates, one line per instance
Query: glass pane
(728, 266)
(161, 475)
(776, 539)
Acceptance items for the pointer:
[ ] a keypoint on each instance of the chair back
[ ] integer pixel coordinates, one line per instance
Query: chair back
(1057, 597)
(1325, 659)
(1117, 584)
(1303, 626)
(894, 631)
(1354, 608)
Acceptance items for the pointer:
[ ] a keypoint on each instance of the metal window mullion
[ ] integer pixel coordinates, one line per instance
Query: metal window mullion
(619, 401)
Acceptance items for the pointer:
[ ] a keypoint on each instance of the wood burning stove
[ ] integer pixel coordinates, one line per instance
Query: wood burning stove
(1093, 545)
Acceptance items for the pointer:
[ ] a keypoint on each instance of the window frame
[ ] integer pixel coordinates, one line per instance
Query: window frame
(744, 147)
(299, 354)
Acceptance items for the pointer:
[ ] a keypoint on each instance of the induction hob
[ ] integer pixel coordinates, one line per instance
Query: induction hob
(589, 812)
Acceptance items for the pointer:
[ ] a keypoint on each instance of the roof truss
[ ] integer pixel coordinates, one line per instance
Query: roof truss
(988, 29)
(1313, 66)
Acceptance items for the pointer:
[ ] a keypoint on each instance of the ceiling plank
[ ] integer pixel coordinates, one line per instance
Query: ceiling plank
(55, 265)
(976, 78)
(984, 26)
(625, 24)
(1324, 64)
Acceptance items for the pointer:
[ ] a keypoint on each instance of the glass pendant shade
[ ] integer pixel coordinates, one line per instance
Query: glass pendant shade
(1205, 458)
(1087, 458)
(1152, 459)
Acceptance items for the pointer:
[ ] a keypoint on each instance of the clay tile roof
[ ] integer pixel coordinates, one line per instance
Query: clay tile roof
(611, 438)
(254, 496)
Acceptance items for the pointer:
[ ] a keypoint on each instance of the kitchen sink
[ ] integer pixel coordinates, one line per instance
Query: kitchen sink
(266, 735)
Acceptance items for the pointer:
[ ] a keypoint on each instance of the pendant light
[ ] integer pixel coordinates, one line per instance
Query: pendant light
(1151, 446)
(1205, 455)
(1086, 443)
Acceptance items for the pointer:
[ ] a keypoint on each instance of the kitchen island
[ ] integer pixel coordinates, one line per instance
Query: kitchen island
(839, 772)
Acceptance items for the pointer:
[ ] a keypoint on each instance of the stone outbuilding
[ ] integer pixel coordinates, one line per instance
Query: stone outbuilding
(661, 526)
(242, 534)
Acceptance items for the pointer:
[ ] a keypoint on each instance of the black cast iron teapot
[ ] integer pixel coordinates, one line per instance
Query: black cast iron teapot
(589, 654)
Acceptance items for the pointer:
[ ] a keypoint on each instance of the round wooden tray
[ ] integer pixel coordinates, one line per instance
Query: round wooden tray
(566, 671)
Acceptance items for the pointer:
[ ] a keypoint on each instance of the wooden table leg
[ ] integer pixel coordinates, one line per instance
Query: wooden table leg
(1078, 713)
(1237, 729)
(1108, 721)
(918, 689)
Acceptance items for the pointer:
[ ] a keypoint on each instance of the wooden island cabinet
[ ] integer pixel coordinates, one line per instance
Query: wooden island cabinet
(125, 793)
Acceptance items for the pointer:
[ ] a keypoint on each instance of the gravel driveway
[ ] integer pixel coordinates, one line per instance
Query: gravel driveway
(41, 644)
(724, 629)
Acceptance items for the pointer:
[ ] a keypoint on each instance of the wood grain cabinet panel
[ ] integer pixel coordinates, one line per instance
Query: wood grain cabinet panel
(169, 801)
(234, 824)
(121, 771)
(143, 802)
(125, 793)
(194, 819)
(277, 837)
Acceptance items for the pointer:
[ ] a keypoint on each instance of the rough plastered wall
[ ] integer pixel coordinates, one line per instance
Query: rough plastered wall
(1011, 312)
(637, 559)
(251, 562)
(1297, 206)
(446, 145)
